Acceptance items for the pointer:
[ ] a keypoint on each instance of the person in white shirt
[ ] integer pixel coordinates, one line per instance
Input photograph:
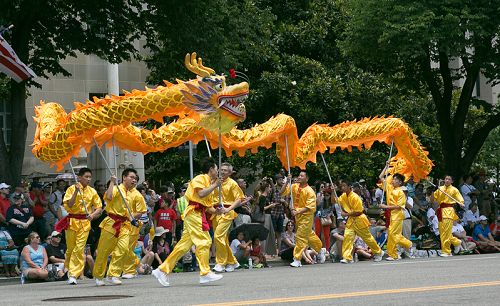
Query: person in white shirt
(407, 214)
(459, 232)
(467, 190)
(471, 218)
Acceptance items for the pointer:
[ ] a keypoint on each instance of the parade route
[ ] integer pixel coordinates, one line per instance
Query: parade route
(466, 280)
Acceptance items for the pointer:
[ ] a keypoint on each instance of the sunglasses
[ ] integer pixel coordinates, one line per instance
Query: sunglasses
(37, 237)
(57, 236)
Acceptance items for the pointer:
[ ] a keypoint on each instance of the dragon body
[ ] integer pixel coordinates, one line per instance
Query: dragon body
(205, 107)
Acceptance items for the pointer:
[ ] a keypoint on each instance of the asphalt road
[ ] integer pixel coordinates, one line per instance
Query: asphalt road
(463, 280)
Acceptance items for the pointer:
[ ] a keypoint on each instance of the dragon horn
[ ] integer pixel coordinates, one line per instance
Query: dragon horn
(193, 66)
(200, 64)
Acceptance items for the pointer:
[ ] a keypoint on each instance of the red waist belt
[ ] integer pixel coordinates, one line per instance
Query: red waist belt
(439, 213)
(63, 224)
(197, 206)
(118, 222)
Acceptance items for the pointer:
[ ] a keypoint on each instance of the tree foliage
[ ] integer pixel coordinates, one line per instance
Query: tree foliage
(433, 46)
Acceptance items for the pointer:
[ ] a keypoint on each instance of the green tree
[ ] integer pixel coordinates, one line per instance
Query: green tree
(435, 46)
(46, 32)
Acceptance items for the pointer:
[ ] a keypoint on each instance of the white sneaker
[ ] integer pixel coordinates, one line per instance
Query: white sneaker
(346, 261)
(72, 280)
(445, 255)
(113, 281)
(100, 282)
(378, 257)
(128, 276)
(296, 263)
(218, 268)
(210, 277)
(161, 277)
(231, 268)
(392, 259)
(457, 250)
(322, 256)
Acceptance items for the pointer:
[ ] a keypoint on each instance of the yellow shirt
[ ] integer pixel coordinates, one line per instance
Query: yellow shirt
(115, 206)
(352, 203)
(388, 188)
(92, 201)
(199, 182)
(397, 198)
(303, 197)
(231, 192)
(448, 212)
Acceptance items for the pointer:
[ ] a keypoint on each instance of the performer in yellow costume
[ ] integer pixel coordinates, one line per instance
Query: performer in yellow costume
(232, 197)
(357, 223)
(304, 200)
(131, 261)
(396, 201)
(446, 196)
(200, 196)
(116, 228)
(77, 223)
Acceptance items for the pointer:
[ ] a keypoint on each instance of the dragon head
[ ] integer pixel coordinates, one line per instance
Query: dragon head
(221, 105)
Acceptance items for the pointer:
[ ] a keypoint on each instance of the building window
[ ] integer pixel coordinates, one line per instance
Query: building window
(5, 120)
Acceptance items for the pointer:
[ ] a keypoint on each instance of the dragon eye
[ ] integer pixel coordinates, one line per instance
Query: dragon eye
(218, 87)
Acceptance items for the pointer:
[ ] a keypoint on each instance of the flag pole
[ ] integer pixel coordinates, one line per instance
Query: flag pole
(289, 171)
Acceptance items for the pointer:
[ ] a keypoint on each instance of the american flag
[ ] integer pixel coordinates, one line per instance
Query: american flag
(11, 65)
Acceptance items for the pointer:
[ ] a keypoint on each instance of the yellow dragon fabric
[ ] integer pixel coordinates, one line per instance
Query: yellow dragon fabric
(205, 107)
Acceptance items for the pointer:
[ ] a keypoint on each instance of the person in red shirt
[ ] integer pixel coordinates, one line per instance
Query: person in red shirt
(166, 217)
(39, 207)
(4, 202)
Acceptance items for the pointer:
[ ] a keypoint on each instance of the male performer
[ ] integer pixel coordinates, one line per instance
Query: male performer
(396, 200)
(232, 197)
(304, 201)
(445, 196)
(200, 196)
(357, 223)
(116, 227)
(77, 222)
(130, 260)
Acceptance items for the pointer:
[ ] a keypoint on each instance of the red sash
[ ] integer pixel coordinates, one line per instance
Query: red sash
(204, 223)
(387, 214)
(118, 222)
(63, 224)
(439, 213)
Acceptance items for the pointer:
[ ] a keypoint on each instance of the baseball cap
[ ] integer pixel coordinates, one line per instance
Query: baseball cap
(483, 218)
(170, 190)
(55, 233)
(4, 186)
(404, 188)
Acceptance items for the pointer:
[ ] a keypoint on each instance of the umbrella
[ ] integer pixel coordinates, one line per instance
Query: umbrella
(250, 230)
(65, 176)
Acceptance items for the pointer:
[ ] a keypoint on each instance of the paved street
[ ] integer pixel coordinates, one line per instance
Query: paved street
(463, 280)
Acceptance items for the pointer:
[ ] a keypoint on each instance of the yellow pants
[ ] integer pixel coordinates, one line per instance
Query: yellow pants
(223, 254)
(130, 260)
(75, 246)
(108, 244)
(395, 238)
(192, 234)
(363, 233)
(447, 239)
(305, 236)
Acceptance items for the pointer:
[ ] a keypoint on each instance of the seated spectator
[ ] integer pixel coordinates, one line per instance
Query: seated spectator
(470, 218)
(34, 259)
(145, 256)
(483, 238)
(288, 242)
(56, 252)
(378, 231)
(241, 249)
(467, 244)
(495, 229)
(8, 254)
(20, 218)
(337, 237)
(256, 253)
(89, 261)
(310, 256)
(362, 249)
(160, 247)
